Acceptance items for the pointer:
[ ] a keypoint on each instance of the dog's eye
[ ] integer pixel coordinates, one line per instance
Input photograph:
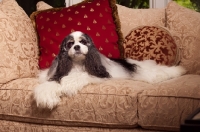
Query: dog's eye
(69, 44)
(83, 42)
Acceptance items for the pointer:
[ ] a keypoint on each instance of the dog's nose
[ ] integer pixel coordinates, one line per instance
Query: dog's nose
(77, 47)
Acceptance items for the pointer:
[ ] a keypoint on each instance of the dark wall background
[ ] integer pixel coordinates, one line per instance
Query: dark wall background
(30, 5)
(138, 4)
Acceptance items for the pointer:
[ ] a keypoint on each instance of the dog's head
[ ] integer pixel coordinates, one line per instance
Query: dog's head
(77, 47)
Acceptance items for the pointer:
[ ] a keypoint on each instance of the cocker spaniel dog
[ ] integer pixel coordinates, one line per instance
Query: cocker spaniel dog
(79, 63)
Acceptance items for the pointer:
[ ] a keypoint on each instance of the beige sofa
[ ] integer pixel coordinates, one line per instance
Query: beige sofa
(115, 105)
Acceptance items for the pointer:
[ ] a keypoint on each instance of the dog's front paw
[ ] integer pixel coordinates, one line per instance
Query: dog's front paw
(70, 91)
(47, 94)
(71, 85)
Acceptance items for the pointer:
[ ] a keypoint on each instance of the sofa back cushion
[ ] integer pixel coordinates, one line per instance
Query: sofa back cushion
(41, 5)
(184, 24)
(18, 43)
(132, 18)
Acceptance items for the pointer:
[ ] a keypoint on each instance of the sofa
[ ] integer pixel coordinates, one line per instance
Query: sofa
(119, 105)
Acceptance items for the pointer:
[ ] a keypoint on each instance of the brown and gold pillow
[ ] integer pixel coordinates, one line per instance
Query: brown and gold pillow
(151, 42)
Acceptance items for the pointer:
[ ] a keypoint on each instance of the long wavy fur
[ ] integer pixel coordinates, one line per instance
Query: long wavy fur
(61, 65)
(93, 64)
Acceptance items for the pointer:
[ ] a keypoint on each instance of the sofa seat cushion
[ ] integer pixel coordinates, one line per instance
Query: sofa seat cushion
(109, 104)
(166, 105)
(132, 18)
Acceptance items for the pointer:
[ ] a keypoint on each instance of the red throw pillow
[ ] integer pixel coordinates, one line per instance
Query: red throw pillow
(98, 18)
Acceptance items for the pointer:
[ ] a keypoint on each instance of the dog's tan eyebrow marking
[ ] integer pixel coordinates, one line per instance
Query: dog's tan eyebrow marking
(71, 39)
(82, 37)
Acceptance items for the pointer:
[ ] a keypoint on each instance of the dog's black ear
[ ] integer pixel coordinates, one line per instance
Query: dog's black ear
(93, 64)
(62, 64)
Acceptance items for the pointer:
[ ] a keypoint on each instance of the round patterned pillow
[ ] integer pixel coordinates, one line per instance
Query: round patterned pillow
(151, 42)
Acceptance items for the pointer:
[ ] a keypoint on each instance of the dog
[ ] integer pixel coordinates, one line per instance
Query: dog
(79, 63)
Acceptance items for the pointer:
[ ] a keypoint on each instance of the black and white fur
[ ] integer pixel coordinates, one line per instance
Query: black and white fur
(79, 63)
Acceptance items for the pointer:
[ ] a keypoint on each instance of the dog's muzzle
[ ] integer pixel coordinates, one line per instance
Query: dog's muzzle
(77, 48)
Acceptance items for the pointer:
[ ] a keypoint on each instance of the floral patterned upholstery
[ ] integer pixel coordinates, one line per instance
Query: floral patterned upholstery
(130, 18)
(166, 105)
(41, 5)
(7, 126)
(184, 25)
(113, 104)
(18, 43)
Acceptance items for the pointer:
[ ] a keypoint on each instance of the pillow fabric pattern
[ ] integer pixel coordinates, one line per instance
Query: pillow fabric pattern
(97, 18)
(151, 42)
(18, 43)
(184, 24)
